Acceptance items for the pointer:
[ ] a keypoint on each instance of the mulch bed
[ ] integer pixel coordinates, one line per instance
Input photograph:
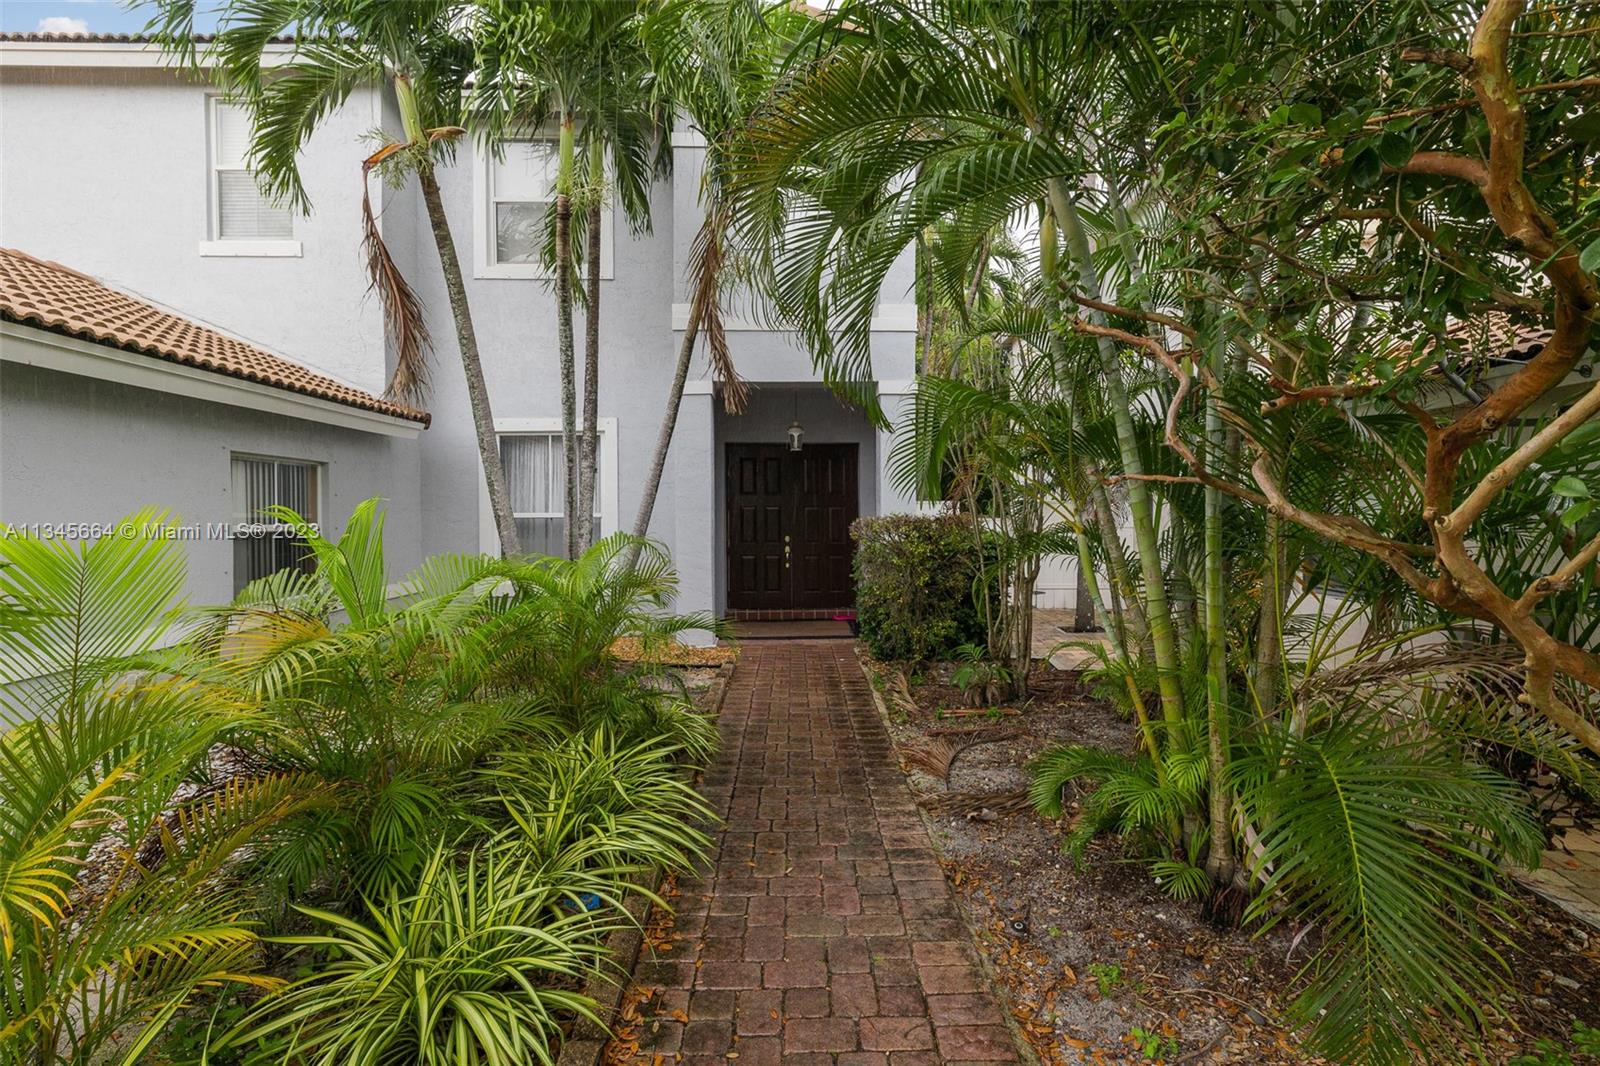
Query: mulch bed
(1101, 966)
(629, 650)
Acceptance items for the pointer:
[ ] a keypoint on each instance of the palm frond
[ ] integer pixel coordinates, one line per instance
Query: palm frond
(1392, 843)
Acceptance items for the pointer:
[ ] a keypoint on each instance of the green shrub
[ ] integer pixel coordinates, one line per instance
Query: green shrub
(97, 763)
(478, 967)
(914, 583)
(465, 776)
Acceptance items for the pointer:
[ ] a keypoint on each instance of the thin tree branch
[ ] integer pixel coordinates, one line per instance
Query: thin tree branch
(1171, 323)
(1445, 165)
(1453, 105)
(1562, 578)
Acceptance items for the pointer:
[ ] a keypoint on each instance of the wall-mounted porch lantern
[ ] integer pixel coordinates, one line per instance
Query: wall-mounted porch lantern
(796, 432)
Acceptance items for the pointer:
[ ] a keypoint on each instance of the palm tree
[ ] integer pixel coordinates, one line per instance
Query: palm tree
(627, 125)
(341, 45)
(116, 904)
(715, 60)
(554, 62)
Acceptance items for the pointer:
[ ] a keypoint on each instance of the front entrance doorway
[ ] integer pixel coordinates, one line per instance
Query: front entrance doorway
(788, 522)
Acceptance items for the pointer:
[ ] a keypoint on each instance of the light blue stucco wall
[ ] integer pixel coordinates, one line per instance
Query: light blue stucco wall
(515, 323)
(123, 197)
(77, 450)
(105, 171)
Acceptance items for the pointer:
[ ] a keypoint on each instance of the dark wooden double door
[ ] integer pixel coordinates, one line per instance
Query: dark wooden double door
(788, 521)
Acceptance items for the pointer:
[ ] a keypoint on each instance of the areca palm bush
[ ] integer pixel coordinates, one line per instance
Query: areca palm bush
(401, 705)
(353, 747)
(560, 623)
(480, 787)
(381, 707)
(1355, 819)
(121, 895)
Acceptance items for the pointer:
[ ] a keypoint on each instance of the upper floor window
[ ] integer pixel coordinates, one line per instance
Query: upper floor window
(514, 197)
(239, 211)
(261, 544)
(521, 188)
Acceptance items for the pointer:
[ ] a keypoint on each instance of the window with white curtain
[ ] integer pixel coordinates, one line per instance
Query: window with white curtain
(239, 211)
(261, 544)
(536, 478)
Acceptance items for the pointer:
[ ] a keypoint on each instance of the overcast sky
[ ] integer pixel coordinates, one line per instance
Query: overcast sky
(81, 16)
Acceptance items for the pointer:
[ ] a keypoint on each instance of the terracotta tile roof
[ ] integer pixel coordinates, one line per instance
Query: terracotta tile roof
(1479, 342)
(33, 36)
(1494, 336)
(56, 298)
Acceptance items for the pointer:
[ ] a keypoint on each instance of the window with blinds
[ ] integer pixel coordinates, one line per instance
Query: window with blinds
(536, 478)
(239, 211)
(261, 544)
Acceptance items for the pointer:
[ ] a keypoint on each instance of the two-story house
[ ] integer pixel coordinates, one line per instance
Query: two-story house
(133, 177)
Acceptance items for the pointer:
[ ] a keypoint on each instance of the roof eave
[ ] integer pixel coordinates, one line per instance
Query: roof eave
(52, 349)
(113, 54)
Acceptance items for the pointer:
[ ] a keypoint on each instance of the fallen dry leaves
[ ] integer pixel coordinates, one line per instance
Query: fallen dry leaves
(660, 937)
(629, 650)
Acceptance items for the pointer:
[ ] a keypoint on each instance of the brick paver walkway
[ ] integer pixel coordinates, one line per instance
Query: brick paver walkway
(825, 932)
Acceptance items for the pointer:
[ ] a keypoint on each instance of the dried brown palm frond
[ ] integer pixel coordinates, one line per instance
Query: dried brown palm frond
(403, 320)
(1467, 688)
(1002, 803)
(706, 260)
(899, 692)
(932, 755)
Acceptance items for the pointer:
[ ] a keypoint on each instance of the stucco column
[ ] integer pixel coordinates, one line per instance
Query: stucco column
(692, 480)
(898, 399)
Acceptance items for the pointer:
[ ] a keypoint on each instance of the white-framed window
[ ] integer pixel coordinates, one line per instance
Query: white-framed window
(512, 200)
(241, 220)
(532, 452)
(261, 544)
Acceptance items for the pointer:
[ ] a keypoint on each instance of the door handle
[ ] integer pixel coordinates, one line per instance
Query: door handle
(786, 553)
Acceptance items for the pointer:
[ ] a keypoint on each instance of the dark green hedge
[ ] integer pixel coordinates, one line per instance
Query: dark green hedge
(914, 579)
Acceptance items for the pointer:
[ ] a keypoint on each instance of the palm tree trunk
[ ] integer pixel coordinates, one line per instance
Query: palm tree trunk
(705, 265)
(1108, 606)
(1083, 600)
(567, 357)
(588, 468)
(1124, 592)
(1158, 615)
(1268, 668)
(494, 474)
(924, 268)
(1219, 859)
(1183, 592)
(669, 424)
